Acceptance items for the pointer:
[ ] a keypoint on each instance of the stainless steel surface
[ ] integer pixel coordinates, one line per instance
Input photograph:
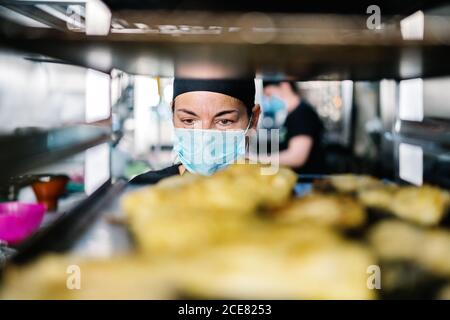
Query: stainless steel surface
(34, 148)
(310, 41)
(107, 236)
(436, 96)
(39, 94)
(5, 253)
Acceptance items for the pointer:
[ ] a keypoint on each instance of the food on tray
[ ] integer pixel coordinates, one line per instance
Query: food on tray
(166, 232)
(428, 248)
(54, 277)
(189, 209)
(323, 209)
(267, 261)
(298, 263)
(228, 250)
(240, 234)
(378, 198)
(346, 183)
(240, 189)
(424, 205)
(205, 237)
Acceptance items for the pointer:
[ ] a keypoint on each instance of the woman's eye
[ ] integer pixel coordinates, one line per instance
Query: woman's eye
(225, 122)
(188, 121)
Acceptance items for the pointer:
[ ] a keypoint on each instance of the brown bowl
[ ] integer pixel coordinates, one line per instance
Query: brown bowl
(48, 188)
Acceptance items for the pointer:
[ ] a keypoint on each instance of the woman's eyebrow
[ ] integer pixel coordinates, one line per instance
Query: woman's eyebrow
(188, 112)
(221, 113)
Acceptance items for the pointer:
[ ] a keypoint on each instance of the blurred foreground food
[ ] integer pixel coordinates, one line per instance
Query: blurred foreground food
(346, 183)
(332, 210)
(241, 234)
(428, 248)
(312, 263)
(425, 205)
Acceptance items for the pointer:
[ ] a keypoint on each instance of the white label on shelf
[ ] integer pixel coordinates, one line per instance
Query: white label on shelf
(98, 18)
(96, 167)
(413, 26)
(411, 163)
(411, 100)
(98, 96)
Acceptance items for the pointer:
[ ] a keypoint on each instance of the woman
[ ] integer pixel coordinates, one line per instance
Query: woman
(300, 142)
(211, 120)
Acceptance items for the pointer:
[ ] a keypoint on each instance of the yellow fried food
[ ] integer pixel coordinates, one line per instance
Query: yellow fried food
(267, 261)
(436, 252)
(311, 263)
(269, 190)
(347, 183)
(52, 277)
(323, 209)
(424, 205)
(202, 237)
(239, 189)
(394, 240)
(184, 232)
(379, 198)
(191, 211)
(428, 248)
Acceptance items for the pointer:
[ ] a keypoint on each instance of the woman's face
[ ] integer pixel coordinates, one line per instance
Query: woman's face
(211, 110)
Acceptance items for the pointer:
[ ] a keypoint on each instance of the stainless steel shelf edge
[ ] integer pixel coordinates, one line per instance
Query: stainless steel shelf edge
(25, 151)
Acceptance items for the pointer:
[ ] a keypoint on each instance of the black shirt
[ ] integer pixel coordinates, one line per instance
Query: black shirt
(152, 177)
(304, 120)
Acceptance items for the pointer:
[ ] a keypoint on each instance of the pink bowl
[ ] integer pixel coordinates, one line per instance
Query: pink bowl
(18, 220)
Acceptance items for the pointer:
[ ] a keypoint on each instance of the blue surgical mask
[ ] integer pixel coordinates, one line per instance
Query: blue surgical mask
(271, 105)
(274, 112)
(207, 151)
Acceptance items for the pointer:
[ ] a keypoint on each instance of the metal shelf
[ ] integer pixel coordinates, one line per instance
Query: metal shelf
(305, 6)
(27, 150)
(296, 61)
(304, 40)
(328, 6)
(432, 131)
(71, 228)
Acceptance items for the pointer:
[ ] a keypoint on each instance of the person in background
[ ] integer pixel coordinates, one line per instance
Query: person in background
(211, 119)
(300, 145)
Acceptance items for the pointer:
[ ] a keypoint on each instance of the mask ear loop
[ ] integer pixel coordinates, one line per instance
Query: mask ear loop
(245, 133)
(249, 124)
